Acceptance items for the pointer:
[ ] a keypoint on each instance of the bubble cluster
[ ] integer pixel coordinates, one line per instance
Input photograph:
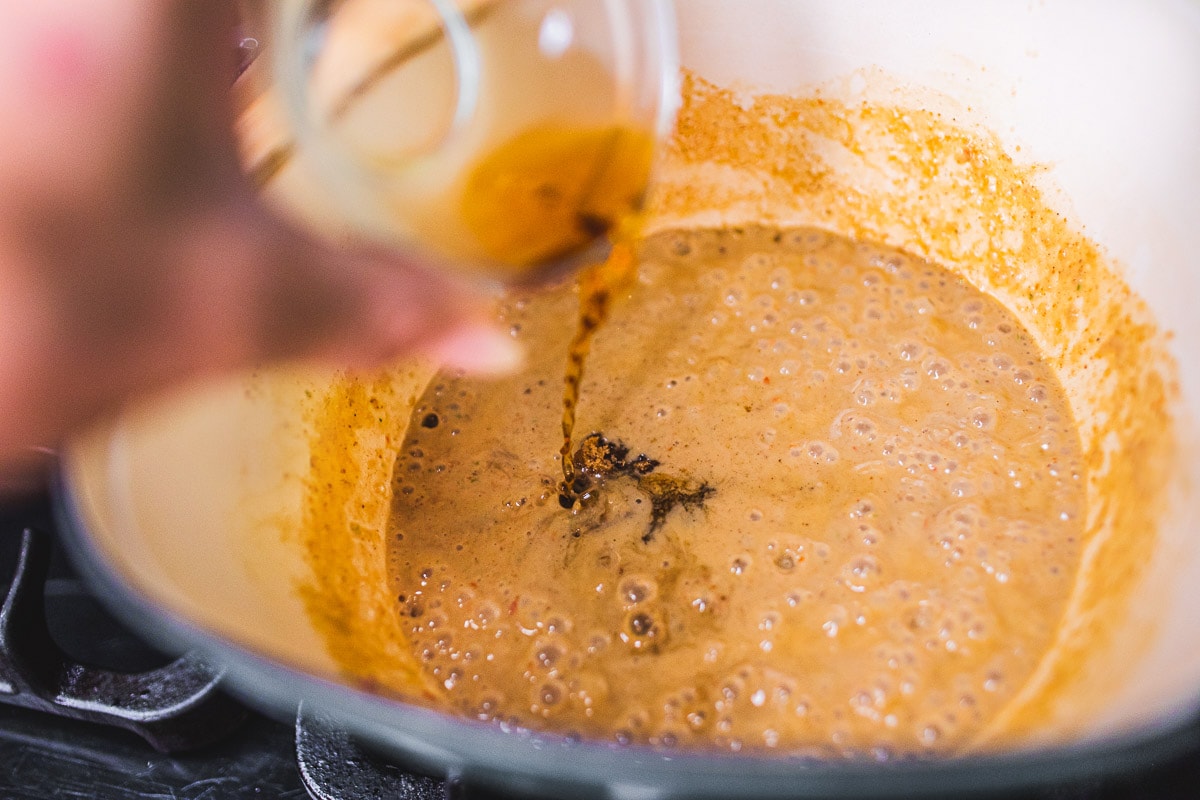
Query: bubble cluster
(894, 531)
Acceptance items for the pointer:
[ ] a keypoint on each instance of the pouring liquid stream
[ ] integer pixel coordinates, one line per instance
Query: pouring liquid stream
(597, 286)
(545, 197)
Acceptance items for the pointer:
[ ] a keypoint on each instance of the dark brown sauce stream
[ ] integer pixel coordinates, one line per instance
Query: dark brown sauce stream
(598, 459)
(595, 296)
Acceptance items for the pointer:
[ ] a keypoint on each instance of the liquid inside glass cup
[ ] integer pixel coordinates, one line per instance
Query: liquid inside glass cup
(505, 138)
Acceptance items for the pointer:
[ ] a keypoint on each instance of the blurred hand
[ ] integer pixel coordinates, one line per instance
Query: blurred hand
(133, 254)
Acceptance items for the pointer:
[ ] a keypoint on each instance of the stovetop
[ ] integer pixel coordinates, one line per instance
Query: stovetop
(220, 750)
(42, 757)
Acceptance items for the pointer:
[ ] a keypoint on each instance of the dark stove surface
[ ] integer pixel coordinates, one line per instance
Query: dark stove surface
(44, 756)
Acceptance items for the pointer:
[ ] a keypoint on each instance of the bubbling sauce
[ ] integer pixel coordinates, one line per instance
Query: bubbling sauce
(835, 507)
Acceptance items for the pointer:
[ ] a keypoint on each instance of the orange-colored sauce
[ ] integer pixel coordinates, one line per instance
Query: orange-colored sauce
(839, 504)
(937, 190)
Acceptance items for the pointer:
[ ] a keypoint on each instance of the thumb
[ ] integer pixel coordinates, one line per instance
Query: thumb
(286, 295)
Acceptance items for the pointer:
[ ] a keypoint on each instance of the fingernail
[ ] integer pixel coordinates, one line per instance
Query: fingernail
(479, 350)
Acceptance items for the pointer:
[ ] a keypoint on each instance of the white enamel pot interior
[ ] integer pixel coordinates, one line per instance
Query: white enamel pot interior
(180, 510)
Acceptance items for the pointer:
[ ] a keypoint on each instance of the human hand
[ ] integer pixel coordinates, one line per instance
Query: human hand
(133, 253)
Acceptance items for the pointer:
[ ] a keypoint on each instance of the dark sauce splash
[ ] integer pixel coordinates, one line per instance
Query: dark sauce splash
(596, 288)
(593, 311)
(599, 460)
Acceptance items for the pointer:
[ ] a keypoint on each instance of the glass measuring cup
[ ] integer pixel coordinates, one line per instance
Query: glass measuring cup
(504, 137)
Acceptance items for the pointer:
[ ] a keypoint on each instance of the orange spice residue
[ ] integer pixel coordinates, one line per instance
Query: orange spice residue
(343, 517)
(901, 177)
(911, 179)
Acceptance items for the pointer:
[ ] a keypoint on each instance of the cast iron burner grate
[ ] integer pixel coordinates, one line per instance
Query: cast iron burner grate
(174, 707)
(335, 766)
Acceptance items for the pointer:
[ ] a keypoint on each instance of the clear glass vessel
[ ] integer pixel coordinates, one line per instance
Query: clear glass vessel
(503, 137)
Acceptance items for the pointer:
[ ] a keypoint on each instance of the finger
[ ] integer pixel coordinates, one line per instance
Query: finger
(263, 291)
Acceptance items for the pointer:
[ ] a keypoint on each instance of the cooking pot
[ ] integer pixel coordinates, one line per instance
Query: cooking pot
(189, 512)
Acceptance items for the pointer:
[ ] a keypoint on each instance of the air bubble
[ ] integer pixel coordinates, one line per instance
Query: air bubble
(414, 608)
(487, 707)
(862, 508)
(547, 654)
(860, 572)
(550, 694)
(822, 452)
(641, 630)
(864, 428)
(636, 589)
(936, 368)
(983, 420)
